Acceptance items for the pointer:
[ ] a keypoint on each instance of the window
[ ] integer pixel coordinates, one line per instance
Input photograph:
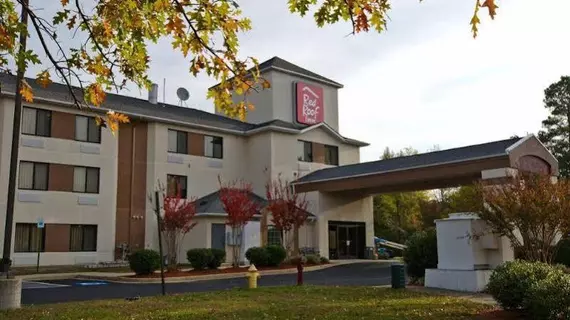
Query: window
(305, 151)
(273, 236)
(177, 141)
(33, 175)
(176, 184)
(331, 155)
(86, 179)
(36, 122)
(28, 237)
(214, 147)
(86, 129)
(83, 237)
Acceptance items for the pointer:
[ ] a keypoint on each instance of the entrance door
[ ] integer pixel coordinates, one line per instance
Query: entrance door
(346, 240)
(218, 236)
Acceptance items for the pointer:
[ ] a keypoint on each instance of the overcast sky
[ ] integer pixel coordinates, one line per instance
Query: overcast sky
(425, 81)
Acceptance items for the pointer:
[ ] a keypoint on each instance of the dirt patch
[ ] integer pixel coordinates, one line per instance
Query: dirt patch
(500, 314)
(179, 273)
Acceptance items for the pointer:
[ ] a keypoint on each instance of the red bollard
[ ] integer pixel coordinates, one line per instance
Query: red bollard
(299, 272)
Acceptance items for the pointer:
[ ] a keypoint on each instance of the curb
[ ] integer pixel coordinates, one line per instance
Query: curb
(236, 275)
(124, 277)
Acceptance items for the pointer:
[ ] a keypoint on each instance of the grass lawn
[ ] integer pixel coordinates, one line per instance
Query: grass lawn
(306, 302)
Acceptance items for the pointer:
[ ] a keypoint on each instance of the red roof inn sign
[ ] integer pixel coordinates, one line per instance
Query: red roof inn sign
(309, 103)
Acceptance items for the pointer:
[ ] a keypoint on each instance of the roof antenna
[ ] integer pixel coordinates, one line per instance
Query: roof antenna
(163, 92)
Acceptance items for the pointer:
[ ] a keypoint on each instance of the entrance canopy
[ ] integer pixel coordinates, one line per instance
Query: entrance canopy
(432, 170)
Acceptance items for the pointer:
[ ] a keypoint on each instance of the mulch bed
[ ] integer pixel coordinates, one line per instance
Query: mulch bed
(179, 273)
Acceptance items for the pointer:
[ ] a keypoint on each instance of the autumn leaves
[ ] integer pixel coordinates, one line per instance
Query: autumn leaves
(475, 21)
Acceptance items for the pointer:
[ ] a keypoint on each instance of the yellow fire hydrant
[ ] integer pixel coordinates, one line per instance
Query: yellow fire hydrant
(252, 276)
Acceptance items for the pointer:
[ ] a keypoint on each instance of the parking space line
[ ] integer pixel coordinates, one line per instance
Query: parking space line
(41, 285)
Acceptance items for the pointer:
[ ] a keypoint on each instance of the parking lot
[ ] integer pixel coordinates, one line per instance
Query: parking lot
(56, 291)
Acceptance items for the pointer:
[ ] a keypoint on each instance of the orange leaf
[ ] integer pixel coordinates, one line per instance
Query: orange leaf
(492, 6)
(64, 2)
(114, 119)
(26, 92)
(43, 79)
(95, 94)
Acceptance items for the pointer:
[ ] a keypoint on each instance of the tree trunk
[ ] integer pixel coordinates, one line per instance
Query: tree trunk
(263, 227)
(295, 241)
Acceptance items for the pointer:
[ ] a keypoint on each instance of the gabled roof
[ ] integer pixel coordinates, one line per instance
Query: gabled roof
(57, 93)
(300, 129)
(473, 152)
(279, 64)
(211, 203)
(285, 66)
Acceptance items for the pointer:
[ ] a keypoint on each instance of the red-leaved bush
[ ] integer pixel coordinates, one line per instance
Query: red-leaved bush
(236, 197)
(288, 210)
(176, 223)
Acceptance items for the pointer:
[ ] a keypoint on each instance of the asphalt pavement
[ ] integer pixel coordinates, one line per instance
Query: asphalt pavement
(57, 291)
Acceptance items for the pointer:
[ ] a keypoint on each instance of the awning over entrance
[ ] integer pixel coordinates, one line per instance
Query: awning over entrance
(432, 170)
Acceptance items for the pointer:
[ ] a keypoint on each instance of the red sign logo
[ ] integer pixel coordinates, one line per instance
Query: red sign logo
(309, 104)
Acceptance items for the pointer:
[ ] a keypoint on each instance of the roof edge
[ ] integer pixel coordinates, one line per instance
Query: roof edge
(158, 119)
(297, 182)
(271, 67)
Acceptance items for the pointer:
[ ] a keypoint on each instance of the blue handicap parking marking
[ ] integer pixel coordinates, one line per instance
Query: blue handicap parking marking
(91, 283)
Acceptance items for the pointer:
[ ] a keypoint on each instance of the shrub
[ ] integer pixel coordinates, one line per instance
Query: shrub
(324, 260)
(276, 255)
(510, 283)
(563, 255)
(421, 253)
(199, 258)
(218, 256)
(144, 261)
(257, 256)
(549, 298)
(313, 259)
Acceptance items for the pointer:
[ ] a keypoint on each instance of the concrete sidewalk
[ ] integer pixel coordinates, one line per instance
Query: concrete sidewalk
(125, 277)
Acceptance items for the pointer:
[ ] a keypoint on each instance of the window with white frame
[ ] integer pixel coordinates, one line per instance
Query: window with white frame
(36, 122)
(273, 236)
(86, 129)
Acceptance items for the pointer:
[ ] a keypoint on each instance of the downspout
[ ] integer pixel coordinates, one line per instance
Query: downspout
(131, 200)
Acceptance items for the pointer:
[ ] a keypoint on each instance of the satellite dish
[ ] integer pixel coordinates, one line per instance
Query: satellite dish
(182, 94)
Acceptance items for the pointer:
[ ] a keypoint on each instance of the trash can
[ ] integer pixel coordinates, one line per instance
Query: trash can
(398, 276)
(369, 254)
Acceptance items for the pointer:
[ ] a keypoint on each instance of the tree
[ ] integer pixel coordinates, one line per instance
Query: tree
(176, 223)
(240, 208)
(396, 215)
(288, 210)
(530, 210)
(115, 35)
(556, 133)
